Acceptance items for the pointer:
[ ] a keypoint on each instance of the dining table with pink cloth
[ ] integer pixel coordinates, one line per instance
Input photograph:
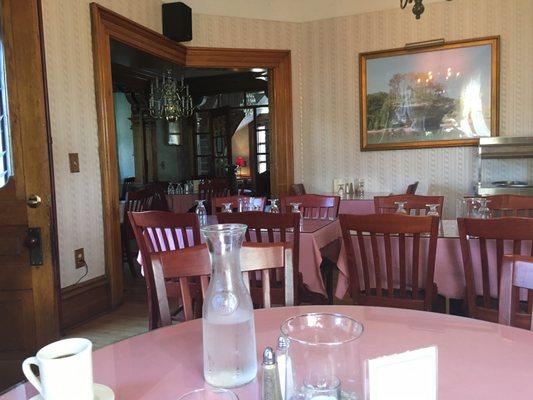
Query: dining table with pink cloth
(315, 237)
(472, 359)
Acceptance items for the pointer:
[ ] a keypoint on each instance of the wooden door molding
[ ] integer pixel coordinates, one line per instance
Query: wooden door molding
(107, 25)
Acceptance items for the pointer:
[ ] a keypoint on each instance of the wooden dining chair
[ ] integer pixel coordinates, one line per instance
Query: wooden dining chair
(483, 245)
(297, 189)
(411, 189)
(271, 228)
(416, 205)
(507, 205)
(217, 203)
(127, 186)
(313, 206)
(159, 202)
(372, 265)
(194, 262)
(212, 188)
(517, 273)
(138, 201)
(157, 232)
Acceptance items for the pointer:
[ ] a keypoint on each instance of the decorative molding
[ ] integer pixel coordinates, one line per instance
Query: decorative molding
(84, 301)
(107, 25)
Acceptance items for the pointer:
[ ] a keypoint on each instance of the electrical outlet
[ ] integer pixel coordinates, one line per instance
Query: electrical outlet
(74, 162)
(79, 258)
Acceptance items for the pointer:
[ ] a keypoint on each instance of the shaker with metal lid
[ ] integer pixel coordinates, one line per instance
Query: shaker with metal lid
(270, 389)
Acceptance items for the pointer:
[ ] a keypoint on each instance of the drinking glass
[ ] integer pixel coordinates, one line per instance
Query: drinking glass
(433, 210)
(209, 394)
(340, 191)
(227, 208)
(170, 188)
(274, 206)
(322, 357)
(361, 187)
(295, 208)
(201, 212)
(483, 210)
(401, 207)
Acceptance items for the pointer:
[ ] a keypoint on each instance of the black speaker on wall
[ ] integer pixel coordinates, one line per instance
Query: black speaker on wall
(177, 21)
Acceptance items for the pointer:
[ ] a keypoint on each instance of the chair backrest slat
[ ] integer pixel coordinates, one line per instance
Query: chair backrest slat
(517, 273)
(485, 271)
(313, 205)
(415, 261)
(388, 264)
(495, 237)
(384, 233)
(416, 205)
(403, 271)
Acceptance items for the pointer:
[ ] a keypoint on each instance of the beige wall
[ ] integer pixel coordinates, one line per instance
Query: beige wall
(331, 94)
(325, 98)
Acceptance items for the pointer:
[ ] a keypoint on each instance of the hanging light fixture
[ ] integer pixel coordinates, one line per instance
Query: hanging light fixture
(418, 7)
(170, 98)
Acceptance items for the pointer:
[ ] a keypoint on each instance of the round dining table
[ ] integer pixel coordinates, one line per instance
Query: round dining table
(476, 359)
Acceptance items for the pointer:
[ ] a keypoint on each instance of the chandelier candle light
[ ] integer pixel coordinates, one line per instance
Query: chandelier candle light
(170, 98)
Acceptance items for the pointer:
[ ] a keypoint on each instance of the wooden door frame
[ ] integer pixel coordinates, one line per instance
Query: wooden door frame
(107, 25)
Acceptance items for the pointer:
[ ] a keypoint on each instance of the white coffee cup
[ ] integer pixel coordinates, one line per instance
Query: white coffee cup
(66, 370)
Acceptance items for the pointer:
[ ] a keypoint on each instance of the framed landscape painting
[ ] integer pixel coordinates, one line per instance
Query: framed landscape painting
(429, 96)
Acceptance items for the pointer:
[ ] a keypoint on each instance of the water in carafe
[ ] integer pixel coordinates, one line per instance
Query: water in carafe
(228, 323)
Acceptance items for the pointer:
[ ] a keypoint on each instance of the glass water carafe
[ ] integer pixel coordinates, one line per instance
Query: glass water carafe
(228, 320)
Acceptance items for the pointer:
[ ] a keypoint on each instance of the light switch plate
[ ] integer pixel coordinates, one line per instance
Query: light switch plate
(74, 162)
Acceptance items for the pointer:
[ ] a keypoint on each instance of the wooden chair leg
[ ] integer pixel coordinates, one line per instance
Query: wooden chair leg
(129, 257)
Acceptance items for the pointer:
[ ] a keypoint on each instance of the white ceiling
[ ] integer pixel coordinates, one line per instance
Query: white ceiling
(290, 10)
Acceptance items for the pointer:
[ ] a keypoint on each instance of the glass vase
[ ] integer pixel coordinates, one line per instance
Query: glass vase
(228, 320)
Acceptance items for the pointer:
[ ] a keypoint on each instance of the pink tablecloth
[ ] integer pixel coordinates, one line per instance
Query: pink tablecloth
(357, 206)
(314, 237)
(476, 359)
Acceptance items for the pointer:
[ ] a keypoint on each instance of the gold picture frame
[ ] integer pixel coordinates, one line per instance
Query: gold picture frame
(445, 102)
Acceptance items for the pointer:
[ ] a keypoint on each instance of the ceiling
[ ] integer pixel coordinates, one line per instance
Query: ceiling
(290, 10)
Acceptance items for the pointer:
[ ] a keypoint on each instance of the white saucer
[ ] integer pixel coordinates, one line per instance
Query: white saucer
(101, 392)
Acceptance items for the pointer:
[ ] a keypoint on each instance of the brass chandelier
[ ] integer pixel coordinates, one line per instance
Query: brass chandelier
(170, 98)
(418, 7)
